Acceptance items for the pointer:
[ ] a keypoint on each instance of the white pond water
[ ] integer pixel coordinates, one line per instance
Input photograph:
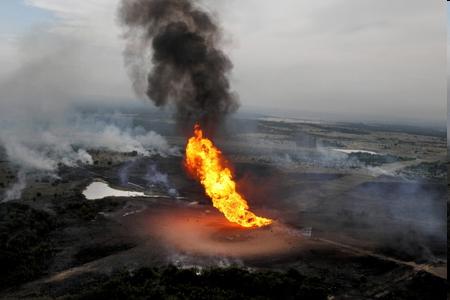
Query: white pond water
(99, 190)
(348, 151)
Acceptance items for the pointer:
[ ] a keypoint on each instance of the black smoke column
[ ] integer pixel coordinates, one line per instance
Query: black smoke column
(188, 69)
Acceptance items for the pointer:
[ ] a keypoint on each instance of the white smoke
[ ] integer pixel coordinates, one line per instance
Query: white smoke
(69, 146)
(15, 191)
(183, 261)
(110, 137)
(155, 178)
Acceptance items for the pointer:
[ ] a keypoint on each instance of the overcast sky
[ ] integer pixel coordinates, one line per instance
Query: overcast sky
(354, 58)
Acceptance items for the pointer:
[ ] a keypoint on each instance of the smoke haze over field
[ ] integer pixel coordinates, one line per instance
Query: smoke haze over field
(41, 127)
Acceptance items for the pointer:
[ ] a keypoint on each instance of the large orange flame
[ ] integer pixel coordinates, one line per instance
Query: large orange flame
(204, 161)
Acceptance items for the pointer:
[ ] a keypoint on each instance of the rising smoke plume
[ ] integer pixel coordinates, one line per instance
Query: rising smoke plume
(188, 70)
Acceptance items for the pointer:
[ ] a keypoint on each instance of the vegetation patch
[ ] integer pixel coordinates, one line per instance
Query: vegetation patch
(433, 170)
(93, 252)
(230, 283)
(375, 160)
(85, 210)
(25, 248)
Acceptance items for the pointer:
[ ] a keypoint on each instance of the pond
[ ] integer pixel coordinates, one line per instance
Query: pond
(99, 190)
(349, 151)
